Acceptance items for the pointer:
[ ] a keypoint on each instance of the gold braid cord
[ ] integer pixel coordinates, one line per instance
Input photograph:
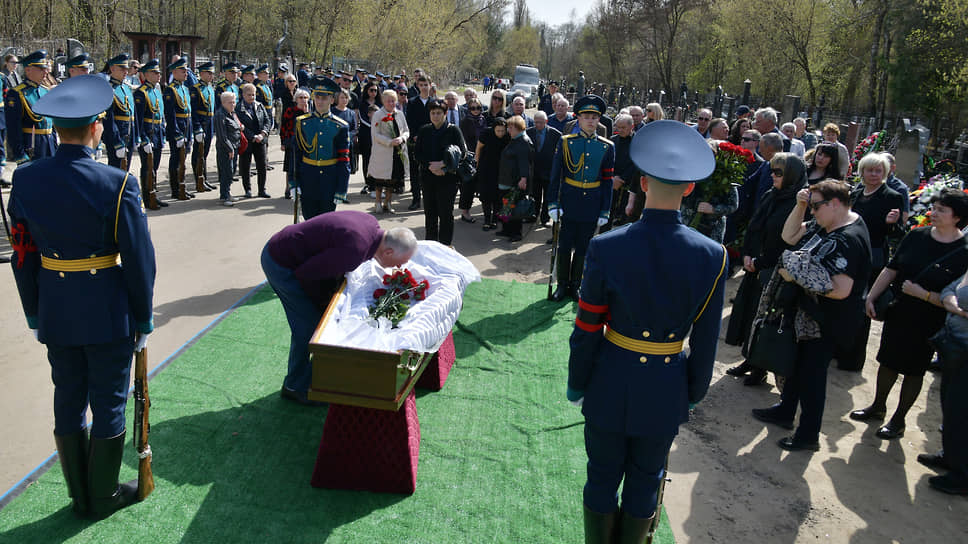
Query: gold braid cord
(573, 167)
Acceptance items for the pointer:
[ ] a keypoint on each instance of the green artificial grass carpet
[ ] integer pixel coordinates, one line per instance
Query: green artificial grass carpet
(501, 455)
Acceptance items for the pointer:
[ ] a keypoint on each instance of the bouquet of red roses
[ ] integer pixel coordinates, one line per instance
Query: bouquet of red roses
(731, 161)
(390, 120)
(393, 300)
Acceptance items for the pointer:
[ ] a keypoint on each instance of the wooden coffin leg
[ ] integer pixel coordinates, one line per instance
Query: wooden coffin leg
(369, 450)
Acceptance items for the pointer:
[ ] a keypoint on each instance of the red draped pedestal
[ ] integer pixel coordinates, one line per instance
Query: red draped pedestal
(369, 450)
(437, 370)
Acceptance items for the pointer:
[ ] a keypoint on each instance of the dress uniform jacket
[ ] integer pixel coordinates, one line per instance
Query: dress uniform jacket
(223, 86)
(29, 136)
(322, 159)
(263, 93)
(95, 225)
(120, 128)
(636, 378)
(203, 111)
(581, 177)
(150, 117)
(178, 112)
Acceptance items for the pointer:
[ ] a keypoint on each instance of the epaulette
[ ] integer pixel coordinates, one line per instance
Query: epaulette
(568, 136)
(606, 140)
(20, 87)
(339, 119)
(303, 116)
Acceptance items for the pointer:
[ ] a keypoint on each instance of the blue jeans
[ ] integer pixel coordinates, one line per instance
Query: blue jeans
(303, 317)
(96, 375)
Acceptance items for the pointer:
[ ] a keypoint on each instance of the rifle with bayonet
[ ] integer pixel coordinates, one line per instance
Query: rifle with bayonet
(150, 182)
(199, 167)
(181, 172)
(146, 481)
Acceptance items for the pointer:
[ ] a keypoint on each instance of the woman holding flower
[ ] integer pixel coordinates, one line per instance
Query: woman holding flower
(927, 260)
(706, 208)
(388, 157)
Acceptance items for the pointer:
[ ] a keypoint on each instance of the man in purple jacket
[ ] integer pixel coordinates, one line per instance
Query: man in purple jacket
(305, 264)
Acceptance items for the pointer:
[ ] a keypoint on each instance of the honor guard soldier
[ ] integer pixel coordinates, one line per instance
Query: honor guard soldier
(120, 130)
(149, 114)
(229, 81)
(248, 74)
(178, 127)
(263, 88)
(646, 287)
(322, 157)
(203, 113)
(29, 135)
(580, 192)
(78, 66)
(90, 310)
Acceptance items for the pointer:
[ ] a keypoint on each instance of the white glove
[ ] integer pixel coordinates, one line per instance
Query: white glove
(120, 153)
(147, 147)
(37, 338)
(298, 191)
(180, 142)
(578, 402)
(200, 137)
(140, 341)
(602, 221)
(554, 214)
(337, 202)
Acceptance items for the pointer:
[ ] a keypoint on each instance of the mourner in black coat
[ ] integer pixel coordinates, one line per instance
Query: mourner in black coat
(545, 140)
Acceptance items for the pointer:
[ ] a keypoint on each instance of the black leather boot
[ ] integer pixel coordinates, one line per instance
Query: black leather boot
(104, 464)
(633, 530)
(599, 528)
(72, 450)
(564, 282)
(177, 192)
(577, 267)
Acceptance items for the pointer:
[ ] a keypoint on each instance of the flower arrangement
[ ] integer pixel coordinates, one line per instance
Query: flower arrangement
(870, 144)
(390, 121)
(508, 203)
(731, 161)
(926, 191)
(393, 300)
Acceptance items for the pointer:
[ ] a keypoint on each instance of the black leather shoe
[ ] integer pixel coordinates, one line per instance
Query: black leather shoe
(514, 238)
(890, 431)
(756, 377)
(528, 220)
(162, 203)
(561, 293)
(248, 194)
(550, 241)
(210, 187)
(934, 460)
(950, 484)
(107, 496)
(263, 194)
(868, 414)
(792, 444)
(415, 205)
(299, 398)
(740, 370)
(769, 415)
(505, 234)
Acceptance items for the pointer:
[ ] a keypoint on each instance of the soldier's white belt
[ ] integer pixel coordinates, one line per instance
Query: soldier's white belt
(583, 184)
(80, 265)
(320, 162)
(643, 346)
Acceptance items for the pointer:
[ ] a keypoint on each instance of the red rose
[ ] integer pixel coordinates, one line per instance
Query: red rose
(379, 293)
(405, 296)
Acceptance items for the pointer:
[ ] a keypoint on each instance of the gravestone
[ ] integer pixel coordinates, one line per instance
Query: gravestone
(718, 102)
(680, 114)
(851, 141)
(791, 105)
(910, 148)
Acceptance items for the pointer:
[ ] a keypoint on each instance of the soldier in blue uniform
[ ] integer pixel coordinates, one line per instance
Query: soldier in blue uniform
(229, 82)
(85, 276)
(580, 192)
(203, 114)
(178, 127)
(263, 88)
(648, 285)
(29, 135)
(322, 153)
(150, 117)
(120, 130)
(78, 66)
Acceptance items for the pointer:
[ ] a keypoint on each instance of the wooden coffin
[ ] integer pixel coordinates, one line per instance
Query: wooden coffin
(361, 377)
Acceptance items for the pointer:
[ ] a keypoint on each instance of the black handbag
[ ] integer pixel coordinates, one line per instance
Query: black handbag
(773, 346)
(951, 351)
(888, 298)
(467, 170)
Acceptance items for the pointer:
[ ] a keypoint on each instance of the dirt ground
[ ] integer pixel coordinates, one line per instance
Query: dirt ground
(730, 482)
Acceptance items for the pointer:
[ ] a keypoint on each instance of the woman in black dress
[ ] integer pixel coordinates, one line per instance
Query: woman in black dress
(514, 171)
(762, 247)
(439, 187)
(497, 109)
(836, 239)
(927, 260)
(488, 157)
(823, 164)
(471, 126)
(880, 206)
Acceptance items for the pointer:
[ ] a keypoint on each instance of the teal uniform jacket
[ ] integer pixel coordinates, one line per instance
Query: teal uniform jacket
(322, 156)
(203, 107)
(29, 136)
(178, 111)
(67, 210)
(581, 177)
(263, 93)
(653, 282)
(120, 128)
(150, 115)
(223, 86)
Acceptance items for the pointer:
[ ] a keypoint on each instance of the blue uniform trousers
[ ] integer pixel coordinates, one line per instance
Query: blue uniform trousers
(96, 374)
(303, 317)
(808, 388)
(612, 456)
(575, 235)
(954, 411)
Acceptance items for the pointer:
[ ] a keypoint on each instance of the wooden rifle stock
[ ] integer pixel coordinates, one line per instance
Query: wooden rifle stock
(199, 168)
(181, 173)
(124, 163)
(146, 481)
(152, 194)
